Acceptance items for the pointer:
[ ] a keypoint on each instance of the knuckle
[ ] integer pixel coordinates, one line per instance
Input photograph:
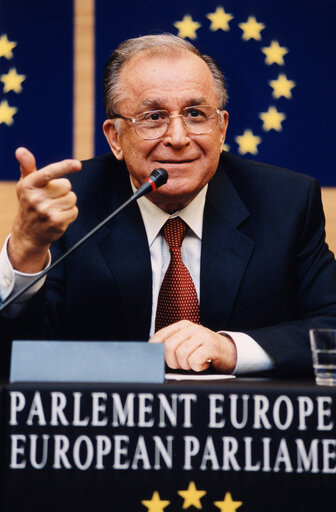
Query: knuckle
(182, 351)
(195, 327)
(172, 364)
(197, 367)
(43, 210)
(34, 197)
(47, 175)
(73, 198)
(186, 322)
(65, 184)
(52, 217)
(58, 184)
(195, 363)
(75, 213)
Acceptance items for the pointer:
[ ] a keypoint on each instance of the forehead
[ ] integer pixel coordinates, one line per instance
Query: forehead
(171, 81)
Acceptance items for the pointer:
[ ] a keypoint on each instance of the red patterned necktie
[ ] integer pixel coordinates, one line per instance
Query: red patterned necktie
(177, 298)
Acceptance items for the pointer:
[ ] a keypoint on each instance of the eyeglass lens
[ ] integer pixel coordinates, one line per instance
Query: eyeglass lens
(197, 120)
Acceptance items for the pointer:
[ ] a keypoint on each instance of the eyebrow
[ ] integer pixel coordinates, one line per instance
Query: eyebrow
(158, 104)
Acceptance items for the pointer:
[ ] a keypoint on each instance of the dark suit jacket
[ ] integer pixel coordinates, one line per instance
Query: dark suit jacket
(265, 267)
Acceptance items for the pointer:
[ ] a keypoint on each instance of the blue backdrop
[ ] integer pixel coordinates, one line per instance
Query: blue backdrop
(43, 56)
(278, 58)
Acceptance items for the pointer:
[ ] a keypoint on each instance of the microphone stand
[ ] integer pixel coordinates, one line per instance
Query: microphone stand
(157, 178)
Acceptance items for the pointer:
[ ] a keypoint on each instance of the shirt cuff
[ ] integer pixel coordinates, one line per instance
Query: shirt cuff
(12, 281)
(251, 357)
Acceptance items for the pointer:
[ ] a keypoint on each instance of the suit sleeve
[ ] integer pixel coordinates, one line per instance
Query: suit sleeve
(315, 301)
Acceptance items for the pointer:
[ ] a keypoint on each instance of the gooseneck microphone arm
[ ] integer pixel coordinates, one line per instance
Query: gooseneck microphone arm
(156, 179)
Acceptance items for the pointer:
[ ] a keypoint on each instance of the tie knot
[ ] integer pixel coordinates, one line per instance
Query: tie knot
(174, 231)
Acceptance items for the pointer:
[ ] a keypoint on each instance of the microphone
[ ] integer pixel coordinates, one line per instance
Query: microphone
(156, 179)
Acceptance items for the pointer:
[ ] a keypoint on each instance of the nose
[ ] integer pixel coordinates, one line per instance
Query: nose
(176, 135)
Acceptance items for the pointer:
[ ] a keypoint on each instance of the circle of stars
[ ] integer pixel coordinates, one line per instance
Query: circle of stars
(12, 81)
(275, 54)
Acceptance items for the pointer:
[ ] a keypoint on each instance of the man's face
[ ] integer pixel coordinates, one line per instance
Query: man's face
(153, 83)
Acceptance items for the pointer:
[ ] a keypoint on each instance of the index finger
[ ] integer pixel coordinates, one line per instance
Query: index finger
(53, 171)
(164, 333)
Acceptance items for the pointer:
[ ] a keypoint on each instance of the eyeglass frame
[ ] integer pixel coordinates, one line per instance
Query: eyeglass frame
(134, 120)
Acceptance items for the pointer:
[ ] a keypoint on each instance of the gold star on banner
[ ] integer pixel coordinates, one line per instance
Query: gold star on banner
(6, 47)
(192, 496)
(251, 29)
(225, 147)
(12, 81)
(272, 119)
(275, 53)
(228, 505)
(248, 142)
(219, 19)
(187, 27)
(155, 504)
(282, 87)
(7, 113)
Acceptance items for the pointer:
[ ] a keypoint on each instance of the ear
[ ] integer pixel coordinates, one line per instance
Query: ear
(113, 138)
(223, 127)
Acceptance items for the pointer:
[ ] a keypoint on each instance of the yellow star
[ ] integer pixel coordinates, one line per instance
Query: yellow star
(248, 143)
(12, 81)
(228, 505)
(191, 496)
(274, 53)
(6, 47)
(219, 19)
(282, 86)
(225, 147)
(187, 27)
(7, 113)
(155, 504)
(251, 29)
(272, 119)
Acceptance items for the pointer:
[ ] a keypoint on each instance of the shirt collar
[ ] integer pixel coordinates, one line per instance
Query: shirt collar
(154, 218)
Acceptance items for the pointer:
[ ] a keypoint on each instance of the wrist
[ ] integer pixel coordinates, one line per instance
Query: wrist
(25, 256)
(228, 360)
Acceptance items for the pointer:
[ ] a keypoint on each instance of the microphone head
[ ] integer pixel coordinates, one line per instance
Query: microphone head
(159, 177)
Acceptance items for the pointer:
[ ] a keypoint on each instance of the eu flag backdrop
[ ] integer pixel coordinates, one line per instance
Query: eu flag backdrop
(36, 69)
(278, 59)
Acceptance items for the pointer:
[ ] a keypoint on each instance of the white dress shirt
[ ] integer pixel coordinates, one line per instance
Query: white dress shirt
(251, 357)
(12, 281)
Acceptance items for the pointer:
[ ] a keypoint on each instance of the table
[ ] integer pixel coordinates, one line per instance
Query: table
(239, 444)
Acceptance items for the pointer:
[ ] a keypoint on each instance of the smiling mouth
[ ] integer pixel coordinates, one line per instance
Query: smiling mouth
(175, 162)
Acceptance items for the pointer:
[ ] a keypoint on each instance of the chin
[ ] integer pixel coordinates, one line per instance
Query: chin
(173, 198)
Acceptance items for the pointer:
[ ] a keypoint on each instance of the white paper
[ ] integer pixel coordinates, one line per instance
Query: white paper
(200, 377)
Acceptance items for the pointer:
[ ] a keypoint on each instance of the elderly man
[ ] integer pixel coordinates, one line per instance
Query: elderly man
(253, 273)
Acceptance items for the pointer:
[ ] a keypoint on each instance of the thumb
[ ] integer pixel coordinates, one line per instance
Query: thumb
(26, 160)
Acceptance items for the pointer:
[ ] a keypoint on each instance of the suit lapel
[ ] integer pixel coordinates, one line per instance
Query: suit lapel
(225, 252)
(225, 255)
(125, 249)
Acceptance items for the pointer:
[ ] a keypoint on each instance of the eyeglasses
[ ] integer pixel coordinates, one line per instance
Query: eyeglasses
(197, 120)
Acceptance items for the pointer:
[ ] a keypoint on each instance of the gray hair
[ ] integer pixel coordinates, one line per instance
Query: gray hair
(163, 45)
